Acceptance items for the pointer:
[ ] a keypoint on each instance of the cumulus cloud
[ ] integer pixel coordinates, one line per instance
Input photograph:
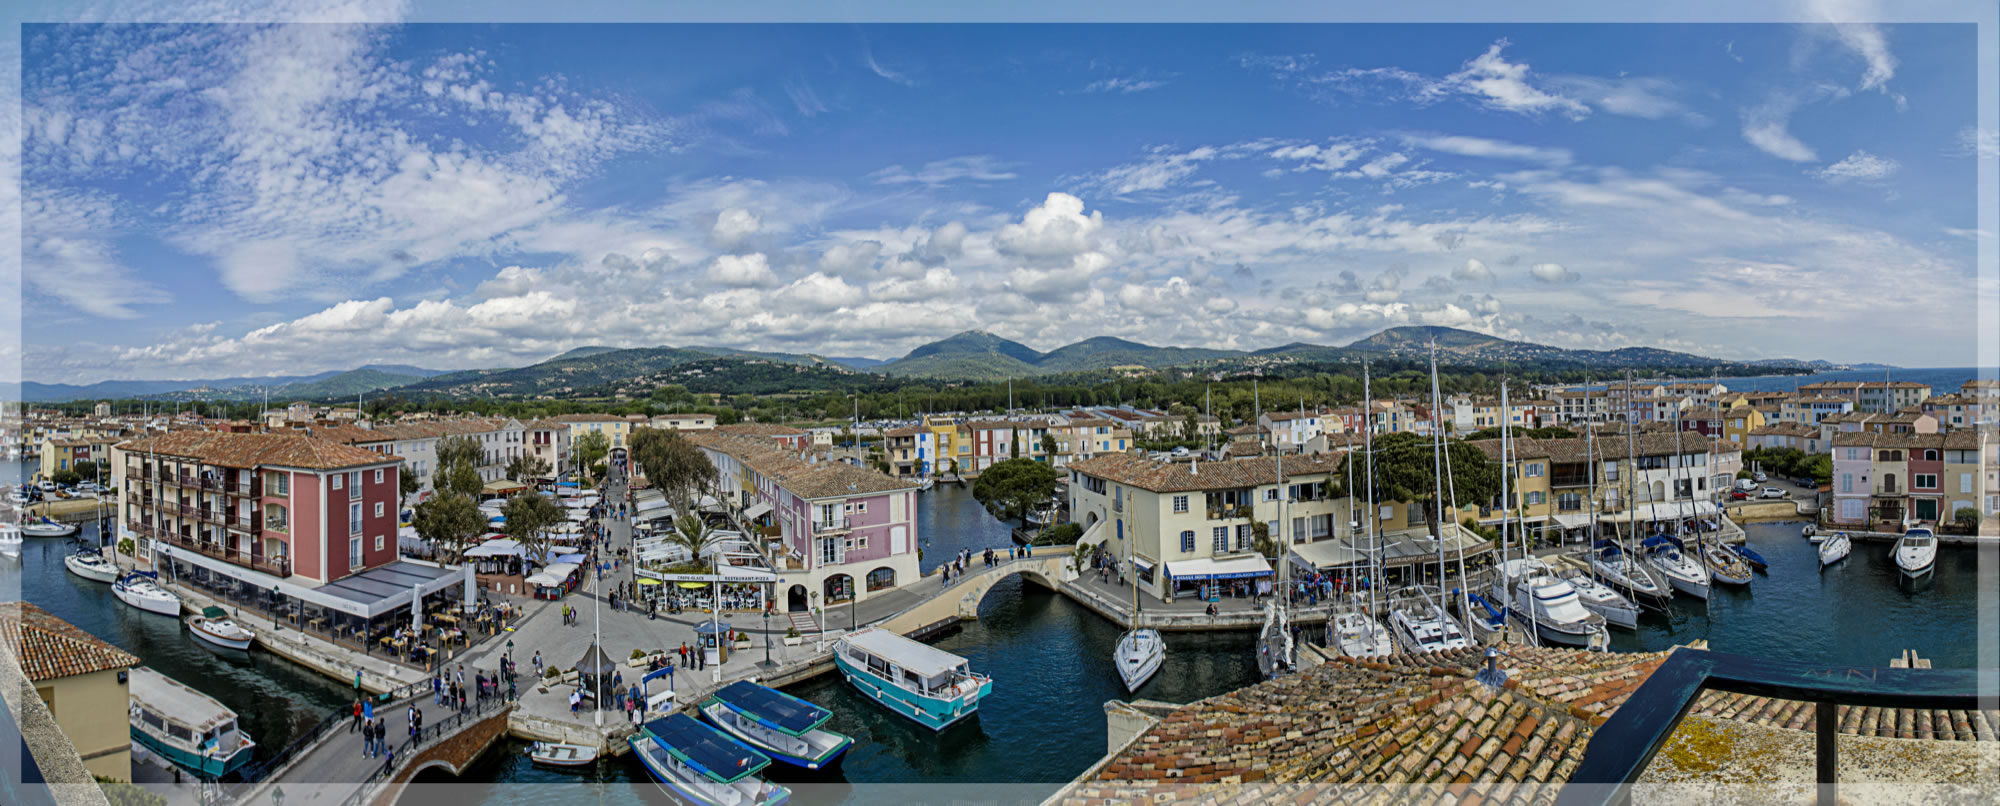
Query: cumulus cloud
(733, 226)
(1057, 228)
(742, 271)
(1472, 271)
(850, 257)
(1551, 273)
(1859, 166)
(819, 291)
(512, 281)
(934, 284)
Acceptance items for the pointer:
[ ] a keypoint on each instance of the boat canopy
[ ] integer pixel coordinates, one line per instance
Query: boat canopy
(173, 700)
(920, 659)
(772, 707)
(213, 612)
(1232, 568)
(705, 749)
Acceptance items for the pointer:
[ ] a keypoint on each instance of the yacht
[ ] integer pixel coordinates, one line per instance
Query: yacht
(1725, 566)
(1357, 634)
(1668, 555)
(1545, 605)
(1138, 656)
(47, 528)
(1421, 625)
(1629, 576)
(1599, 598)
(698, 764)
(10, 540)
(1833, 549)
(92, 566)
(776, 724)
(1916, 552)
(929, 685)
(185, 726)
(141, 589)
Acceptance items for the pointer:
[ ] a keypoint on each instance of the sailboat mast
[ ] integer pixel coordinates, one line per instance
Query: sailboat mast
(1437, 470)
(1506, 433)
(1631, 470)
(1368, 456)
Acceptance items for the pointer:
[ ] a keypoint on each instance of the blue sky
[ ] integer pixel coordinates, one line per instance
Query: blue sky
(207, 200)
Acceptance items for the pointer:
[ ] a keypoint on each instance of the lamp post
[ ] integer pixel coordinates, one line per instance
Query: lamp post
(767, 625)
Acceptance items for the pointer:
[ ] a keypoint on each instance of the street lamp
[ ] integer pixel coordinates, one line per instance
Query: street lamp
(767, 625)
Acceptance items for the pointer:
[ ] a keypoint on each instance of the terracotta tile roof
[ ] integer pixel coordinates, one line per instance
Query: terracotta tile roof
(1147, 474)
(905, 431)
(229, 449)
(49, 648)
(825, 479)
(761, 430)
(587, 418)
(1612, 445)
(1523, 448)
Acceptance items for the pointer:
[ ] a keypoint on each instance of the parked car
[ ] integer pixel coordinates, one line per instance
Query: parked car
(1772, 492)
(1745, 484)
(1739, 495)
(1761, 478)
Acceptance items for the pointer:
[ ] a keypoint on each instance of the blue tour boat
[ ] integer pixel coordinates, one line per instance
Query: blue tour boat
(185, 726)
(917, 680)
(776, 724)
(694, 762)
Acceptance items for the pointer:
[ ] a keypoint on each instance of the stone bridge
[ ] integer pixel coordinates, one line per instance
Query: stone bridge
(1048, 566)
(453, 754)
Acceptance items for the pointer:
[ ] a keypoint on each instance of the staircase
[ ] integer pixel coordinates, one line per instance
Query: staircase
(803, 621)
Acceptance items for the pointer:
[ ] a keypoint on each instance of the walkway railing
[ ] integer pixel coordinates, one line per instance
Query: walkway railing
(1622, 748)
(475, 710)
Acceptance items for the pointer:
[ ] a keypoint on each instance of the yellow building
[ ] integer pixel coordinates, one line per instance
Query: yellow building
(1740, 420)
(951, 441)
(81, 678)
(1528, 502)
(616, 429)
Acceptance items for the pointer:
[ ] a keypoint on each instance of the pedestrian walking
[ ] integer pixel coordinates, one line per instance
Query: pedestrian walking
(357, 716)
(366, 730)
(538, 664)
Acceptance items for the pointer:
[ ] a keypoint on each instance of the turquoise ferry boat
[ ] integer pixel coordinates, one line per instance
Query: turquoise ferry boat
(696, 763)
(914, 679)
(185, 726)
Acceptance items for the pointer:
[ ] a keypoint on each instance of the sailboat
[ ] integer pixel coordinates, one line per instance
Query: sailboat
(1417, 614)
(1356, 632)
(1140, 650)
(1833, 549)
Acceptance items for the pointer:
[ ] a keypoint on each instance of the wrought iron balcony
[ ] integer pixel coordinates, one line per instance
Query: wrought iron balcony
(834, 524)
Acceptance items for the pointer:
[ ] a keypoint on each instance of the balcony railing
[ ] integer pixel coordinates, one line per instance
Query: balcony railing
(276, 525)
(1621, 749)
(1569, 480)
(276, 566)
(1229, 513)
(252, 490)
(187, 510)
(836, 524)
(209, 483)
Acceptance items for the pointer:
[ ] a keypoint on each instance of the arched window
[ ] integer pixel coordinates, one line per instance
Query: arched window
(881, 578)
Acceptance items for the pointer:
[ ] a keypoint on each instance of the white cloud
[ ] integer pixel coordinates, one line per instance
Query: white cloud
(1859, 166)
(1472, 271)
(66, 253)
(260, 271)
(934, 284)
(741, 271)
(1853, 26)
(1332, 157)
(512, 281)
(868, 57)
(1629, 96)
(1056, 228)
(819, 292)
(1157, 171)
(977, 168)
(1765, 126)
(850, 257)
(1495, 149)
(1977, 142)
(1551, 273)
(1505, 86)
(1121, 85)
(733, 226)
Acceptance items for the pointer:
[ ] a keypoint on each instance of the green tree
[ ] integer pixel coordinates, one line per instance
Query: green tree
(1191, 426)
(65, 477)
(530, 519)
(449, 521)
(459, 478)
(590, 448)
(1405, 471)
(407, 482)
(1013, 488)
(460, 448)
(1049, 446)
(1967, 519)
(678, 467)
(693, 533)
(526, 466)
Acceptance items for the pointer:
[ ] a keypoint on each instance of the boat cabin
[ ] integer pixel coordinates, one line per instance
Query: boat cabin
(910, 665)
(188, 727)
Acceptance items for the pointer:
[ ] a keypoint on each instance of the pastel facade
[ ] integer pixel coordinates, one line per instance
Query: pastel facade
(82, 680)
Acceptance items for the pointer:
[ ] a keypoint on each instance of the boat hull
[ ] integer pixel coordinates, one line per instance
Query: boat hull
(149, 604)
(1833, 551)
(200, 765)
(1136, 674)
(713, 713)
(48, 529)
(226, 642)
(930, 712)
(95, 573)
(555, 756)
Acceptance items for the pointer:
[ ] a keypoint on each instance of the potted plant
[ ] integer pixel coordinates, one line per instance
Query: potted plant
(792, 637)
(742, 640)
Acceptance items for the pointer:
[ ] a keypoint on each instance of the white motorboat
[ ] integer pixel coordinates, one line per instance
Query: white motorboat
(215, 627)
(1625, 574)
(1817, 537)
(1666, 554)
(1809, 531)
(1420, 625)
(1545, 605)
(141, 589)
(1358, 635)
(1599, 598)
(926, 484)
(10, 540)
(1138, 656)
(92, 566)
(556, 754)
(1916, 552)
(18, 495)
(1834, 549)
(47, 528)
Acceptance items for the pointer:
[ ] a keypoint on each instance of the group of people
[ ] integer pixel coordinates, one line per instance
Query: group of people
(375, 734)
